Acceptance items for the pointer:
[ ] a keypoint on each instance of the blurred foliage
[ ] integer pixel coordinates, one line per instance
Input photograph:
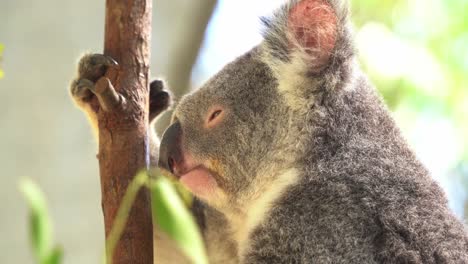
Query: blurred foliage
(174, 219)
(1, 56)
(39, 225)
(168, 209)
(121, 218)
(416, 52)
(169, 212)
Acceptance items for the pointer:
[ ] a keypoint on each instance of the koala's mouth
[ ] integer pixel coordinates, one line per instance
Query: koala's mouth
(199, 180)
(196, 178)
(192, 173)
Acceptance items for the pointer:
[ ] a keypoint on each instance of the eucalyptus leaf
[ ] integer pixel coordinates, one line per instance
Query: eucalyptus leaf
(55, 257)
(39, 223)
(172, 216)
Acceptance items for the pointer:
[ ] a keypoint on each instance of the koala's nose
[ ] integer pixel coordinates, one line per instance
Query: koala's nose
(170, 149)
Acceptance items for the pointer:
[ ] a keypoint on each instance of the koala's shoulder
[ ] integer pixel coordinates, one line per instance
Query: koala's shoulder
(314, 219)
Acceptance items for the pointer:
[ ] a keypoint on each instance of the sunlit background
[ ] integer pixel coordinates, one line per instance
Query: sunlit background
(415, 51)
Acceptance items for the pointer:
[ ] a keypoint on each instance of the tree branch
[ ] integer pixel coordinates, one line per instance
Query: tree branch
(123, 96)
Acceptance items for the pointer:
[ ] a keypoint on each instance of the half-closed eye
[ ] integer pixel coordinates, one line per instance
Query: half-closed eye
(214, 116)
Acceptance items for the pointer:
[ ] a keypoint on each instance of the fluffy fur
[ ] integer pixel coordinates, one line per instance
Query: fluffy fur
(300, 103)
(309, 165)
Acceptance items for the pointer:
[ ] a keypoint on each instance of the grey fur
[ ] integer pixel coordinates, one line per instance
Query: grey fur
(356, 193)
(362, 195)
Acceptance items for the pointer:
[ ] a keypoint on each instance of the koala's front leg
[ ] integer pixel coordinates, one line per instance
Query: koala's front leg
(91, 68)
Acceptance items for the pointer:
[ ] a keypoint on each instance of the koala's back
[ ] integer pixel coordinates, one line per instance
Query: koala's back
(363, 197)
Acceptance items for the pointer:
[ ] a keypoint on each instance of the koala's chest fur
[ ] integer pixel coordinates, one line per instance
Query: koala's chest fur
(244, 221)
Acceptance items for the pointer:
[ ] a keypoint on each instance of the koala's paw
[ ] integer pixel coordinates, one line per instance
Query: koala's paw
(160, 99)
(83, 88)
(91, 68)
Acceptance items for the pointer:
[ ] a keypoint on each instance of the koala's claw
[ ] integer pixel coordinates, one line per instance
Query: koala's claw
(81, 89)
(91, 68)
(89, 84)
(94, 66)
(160, 99)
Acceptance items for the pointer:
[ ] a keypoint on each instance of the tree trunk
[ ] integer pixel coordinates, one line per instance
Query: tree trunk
(123, 125)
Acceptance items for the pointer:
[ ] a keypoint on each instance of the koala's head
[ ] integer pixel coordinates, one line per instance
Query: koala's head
(246, 124)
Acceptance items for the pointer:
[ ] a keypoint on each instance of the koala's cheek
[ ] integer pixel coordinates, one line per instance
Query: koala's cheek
(201, 183)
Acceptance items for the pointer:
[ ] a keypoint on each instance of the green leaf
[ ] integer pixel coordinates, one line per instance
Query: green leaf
(39, 222)
(55, 257)
(172, 216)
(123, 212)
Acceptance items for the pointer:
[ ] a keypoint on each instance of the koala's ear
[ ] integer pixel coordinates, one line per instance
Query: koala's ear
(303, 34)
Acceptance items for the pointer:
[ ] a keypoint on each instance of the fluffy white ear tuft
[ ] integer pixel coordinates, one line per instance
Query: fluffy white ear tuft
(312, 30)
(307, 43)
(304, 32)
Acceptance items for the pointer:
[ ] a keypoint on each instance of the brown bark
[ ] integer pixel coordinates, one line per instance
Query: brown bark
(123, 125)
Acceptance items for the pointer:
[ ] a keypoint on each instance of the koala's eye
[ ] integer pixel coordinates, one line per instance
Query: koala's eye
(214, 116)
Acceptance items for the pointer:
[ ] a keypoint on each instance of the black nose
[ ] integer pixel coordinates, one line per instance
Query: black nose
(170, 149)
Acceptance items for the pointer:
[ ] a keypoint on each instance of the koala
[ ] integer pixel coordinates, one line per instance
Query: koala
(294, 158)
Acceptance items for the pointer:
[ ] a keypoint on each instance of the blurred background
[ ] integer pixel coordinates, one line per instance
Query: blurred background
(415, 51)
